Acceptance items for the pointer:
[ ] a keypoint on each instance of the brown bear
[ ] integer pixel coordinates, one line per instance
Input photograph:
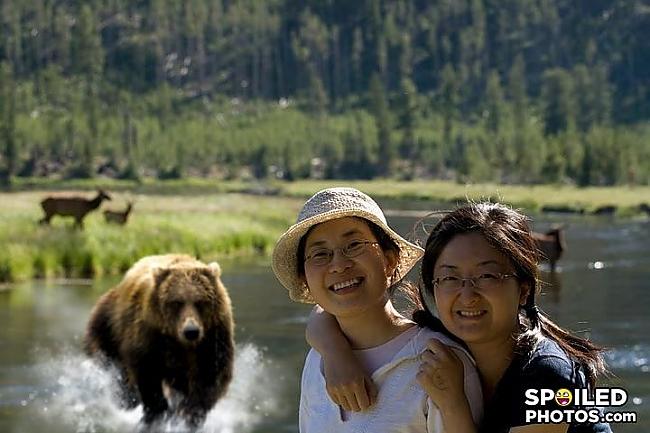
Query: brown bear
(168, 328)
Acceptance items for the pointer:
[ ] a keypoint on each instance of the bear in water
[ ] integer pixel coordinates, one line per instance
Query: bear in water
(168, 328)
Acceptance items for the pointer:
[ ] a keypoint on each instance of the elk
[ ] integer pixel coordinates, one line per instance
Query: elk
(71, 205)
(550, 245)
(645, 207)
(118, 217)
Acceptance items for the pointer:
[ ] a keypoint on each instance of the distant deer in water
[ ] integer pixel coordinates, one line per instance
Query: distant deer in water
(70, 205)
(117, 217)
(550, 245)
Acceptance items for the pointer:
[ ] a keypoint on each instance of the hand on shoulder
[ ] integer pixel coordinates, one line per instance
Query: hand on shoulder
(441, 375)
(347, 383)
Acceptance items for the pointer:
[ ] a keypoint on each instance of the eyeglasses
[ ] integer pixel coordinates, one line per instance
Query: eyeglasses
(485, 281)
(323, 256)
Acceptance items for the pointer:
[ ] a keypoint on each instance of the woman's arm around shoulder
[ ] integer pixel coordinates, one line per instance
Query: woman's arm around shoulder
(347, 383)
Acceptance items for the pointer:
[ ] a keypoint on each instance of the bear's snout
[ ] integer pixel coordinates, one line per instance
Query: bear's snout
(191, 331)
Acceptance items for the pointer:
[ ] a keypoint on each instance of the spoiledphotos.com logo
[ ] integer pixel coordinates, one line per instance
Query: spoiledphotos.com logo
(578, 405)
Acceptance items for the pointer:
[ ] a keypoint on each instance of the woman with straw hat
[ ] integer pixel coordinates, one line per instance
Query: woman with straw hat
(342, 255)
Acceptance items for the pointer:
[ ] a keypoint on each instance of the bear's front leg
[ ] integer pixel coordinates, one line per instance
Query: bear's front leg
(196, 404)
(194, 413)
(153, 399)
(127, 394)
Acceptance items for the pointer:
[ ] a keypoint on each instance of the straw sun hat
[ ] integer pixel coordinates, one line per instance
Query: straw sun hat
(327, 205)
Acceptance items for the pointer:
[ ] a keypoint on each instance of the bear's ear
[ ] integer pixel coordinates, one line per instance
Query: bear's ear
(212, 273)
(159, 275)
(215, 269)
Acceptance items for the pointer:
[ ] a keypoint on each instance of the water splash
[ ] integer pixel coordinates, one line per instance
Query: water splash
(251, 397)
(79, 393)
(82, 395)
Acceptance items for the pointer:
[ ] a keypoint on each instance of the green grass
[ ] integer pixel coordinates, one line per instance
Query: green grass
(207, 226)
(531, 198)
(203, 217)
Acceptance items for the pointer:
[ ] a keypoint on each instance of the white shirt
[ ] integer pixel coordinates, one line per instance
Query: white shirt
(402, 406)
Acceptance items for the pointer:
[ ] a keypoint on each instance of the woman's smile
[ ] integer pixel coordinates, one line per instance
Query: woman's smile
(471, 314)
(347, 286)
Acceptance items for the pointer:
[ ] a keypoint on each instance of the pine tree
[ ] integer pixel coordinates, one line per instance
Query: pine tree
(7, 123)
(525, 154)
(408, 111)
(602, 99)
(85, 165)
(554, 164)
(14, 41)
(473, 163)
(449, 99)
(584, 98)
(87, 54)
(405, 58)
(357, 163)
(310, 46)
(557, 96)
(356, 58)
(517, 91)
(494, 103)
(61, 37)
(379, 44)
(381, 112)
(129, 145)
(317, 96)
(592, 93)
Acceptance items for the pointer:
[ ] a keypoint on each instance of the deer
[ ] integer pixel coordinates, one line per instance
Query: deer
(71, 205)
(645, 207)
(118, 217)
(550, 245)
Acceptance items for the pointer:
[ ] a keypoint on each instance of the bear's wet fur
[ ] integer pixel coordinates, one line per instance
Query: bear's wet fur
(168, 328)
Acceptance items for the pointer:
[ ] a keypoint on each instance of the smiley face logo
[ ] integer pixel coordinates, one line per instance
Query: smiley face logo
(563, 397)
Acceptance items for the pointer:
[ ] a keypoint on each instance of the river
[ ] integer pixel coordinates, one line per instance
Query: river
(46, 384)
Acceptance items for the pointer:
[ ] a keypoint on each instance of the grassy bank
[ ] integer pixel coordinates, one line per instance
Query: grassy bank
(208, 226)
(212, 219)
(532, 198)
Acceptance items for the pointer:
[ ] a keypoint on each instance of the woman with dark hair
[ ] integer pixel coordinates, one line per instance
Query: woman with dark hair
(480, 267)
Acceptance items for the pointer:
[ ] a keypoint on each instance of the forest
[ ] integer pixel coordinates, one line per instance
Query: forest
(508, 91)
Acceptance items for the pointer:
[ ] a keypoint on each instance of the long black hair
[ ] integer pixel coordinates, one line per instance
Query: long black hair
(507, 231)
